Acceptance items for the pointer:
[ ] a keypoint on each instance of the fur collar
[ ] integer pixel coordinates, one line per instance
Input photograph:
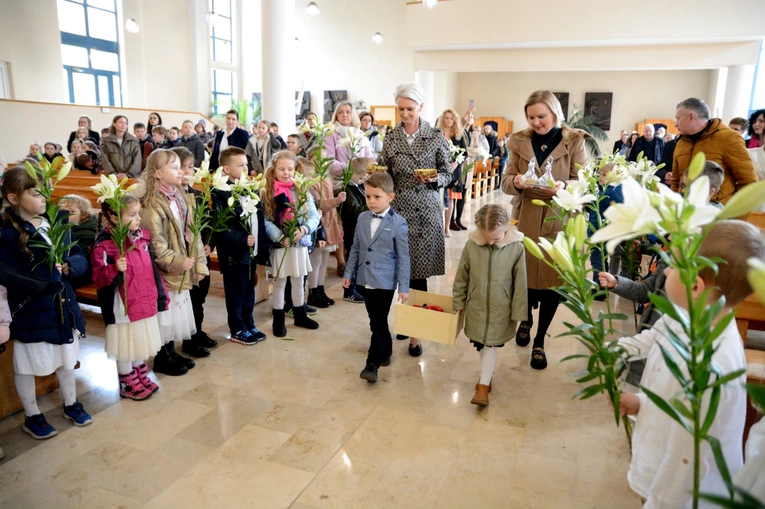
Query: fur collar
(512, 234)
(569, 134)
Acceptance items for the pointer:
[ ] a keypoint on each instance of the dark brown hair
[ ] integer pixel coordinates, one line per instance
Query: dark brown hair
(229, 152)
(16, 181)
(127, 201)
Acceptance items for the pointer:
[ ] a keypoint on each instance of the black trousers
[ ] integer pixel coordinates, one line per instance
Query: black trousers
(239, 289)
(198, 295)
(378, 303)
(418, 284)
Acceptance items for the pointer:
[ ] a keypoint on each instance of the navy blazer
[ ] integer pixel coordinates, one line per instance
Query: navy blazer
(381, 261)
(41, 318)
(238, 138)
(231, 244)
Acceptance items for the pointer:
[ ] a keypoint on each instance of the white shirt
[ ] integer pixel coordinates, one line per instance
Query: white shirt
(376, 221)
(661, 469)
(224, 140)
(411, 137)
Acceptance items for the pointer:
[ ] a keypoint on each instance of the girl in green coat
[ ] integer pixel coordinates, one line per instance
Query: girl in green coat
(490, 289)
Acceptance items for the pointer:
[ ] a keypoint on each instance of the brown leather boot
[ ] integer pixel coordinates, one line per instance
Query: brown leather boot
(481, 397)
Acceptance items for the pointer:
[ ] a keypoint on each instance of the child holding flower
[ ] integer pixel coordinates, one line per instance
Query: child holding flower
(167, 214)
(46, 328)
(234, 243)
(490, 289)
(290, 217)
(132, 329)
(661, 470)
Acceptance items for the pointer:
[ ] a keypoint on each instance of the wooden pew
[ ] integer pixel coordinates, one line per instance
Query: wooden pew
(750, 315)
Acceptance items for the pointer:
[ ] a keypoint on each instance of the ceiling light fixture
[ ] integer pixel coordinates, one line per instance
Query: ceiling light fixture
(377, 38)
(312, 9)
(430, 3)
(132, 26)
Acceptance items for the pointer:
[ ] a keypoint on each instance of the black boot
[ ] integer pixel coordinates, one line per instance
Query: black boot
(324, 295)
(204, 339)
(278, 327)
(183, 361)
(164, 363)
(316, 299)
(193, 348)
(302, 320)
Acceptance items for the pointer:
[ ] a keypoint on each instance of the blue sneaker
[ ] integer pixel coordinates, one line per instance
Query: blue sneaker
(38, 428)
(77, 414)
(243, 337)
(257, 335)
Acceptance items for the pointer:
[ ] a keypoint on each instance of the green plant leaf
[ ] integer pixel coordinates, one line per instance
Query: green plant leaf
(714, 403)
(588, 392)
(667, 409)
(722, 466)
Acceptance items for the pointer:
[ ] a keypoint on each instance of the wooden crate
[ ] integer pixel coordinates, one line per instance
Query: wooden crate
(412, 320)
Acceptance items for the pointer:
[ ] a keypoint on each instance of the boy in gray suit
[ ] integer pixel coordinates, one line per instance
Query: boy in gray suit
(380, 254)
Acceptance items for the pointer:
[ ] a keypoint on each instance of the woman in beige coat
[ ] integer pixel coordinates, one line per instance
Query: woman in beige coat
(546, 138)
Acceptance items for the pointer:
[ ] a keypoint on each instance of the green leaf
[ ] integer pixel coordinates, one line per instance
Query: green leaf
(681, 408)
(714, 402)
(729, 377)
(667, 409)
(722, 466)
(590, 376)
(588, 392)
(572, 357)
(757, 393)
(672, 365)
(613, 316)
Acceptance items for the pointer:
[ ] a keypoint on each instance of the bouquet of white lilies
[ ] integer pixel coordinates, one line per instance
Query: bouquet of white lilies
(113, 192)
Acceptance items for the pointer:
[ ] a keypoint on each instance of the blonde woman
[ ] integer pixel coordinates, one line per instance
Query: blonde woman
(545, 138)
(451, 127)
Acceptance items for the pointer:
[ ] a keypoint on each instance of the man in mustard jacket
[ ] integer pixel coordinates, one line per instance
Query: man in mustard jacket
(719, 143)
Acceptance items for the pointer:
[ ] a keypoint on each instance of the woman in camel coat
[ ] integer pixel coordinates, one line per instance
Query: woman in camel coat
(546, 138)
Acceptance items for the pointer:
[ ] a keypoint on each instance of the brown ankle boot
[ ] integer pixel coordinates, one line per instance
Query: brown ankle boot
(481, 397)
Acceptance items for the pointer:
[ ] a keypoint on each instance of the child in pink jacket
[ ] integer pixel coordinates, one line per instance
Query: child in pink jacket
(132, 329)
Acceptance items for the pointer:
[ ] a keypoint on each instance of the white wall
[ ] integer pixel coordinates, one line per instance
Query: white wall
(497, 23)
(157, 70)
(637, 95)
(30, 42)
(158, 67)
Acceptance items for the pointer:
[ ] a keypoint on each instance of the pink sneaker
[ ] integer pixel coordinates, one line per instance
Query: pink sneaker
(143, 376)
(132, 388)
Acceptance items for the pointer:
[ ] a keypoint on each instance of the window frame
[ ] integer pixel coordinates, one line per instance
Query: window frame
(92, 43)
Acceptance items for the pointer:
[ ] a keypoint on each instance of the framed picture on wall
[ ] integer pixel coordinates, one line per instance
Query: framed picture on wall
(563, 98)
(305, 106)
(331, 98)
(598, 105)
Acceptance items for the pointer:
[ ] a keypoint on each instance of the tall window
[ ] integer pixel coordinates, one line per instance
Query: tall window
(90, 51)
(221, 21)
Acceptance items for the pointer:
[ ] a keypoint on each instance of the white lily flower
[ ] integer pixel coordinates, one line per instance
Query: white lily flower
(345, 142)
(220, 181)
(230, 201)
(106, 189)
(635, 217)
(363, 143)
(673, 206)
(559, 251)
(64, 171)
(572, 200)
(460, 158)
(249, 206)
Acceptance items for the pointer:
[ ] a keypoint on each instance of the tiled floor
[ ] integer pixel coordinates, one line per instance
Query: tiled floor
(290, 424)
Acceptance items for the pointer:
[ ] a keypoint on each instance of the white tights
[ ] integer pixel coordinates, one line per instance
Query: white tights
(488, 364)
(298, 295)
(319, 260)
(25, 387)
(125, 367)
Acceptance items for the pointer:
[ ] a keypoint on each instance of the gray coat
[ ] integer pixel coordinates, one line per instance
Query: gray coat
(121, 158)
(420, 204)
(382, 261)
(490, 286)
(637, 291)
